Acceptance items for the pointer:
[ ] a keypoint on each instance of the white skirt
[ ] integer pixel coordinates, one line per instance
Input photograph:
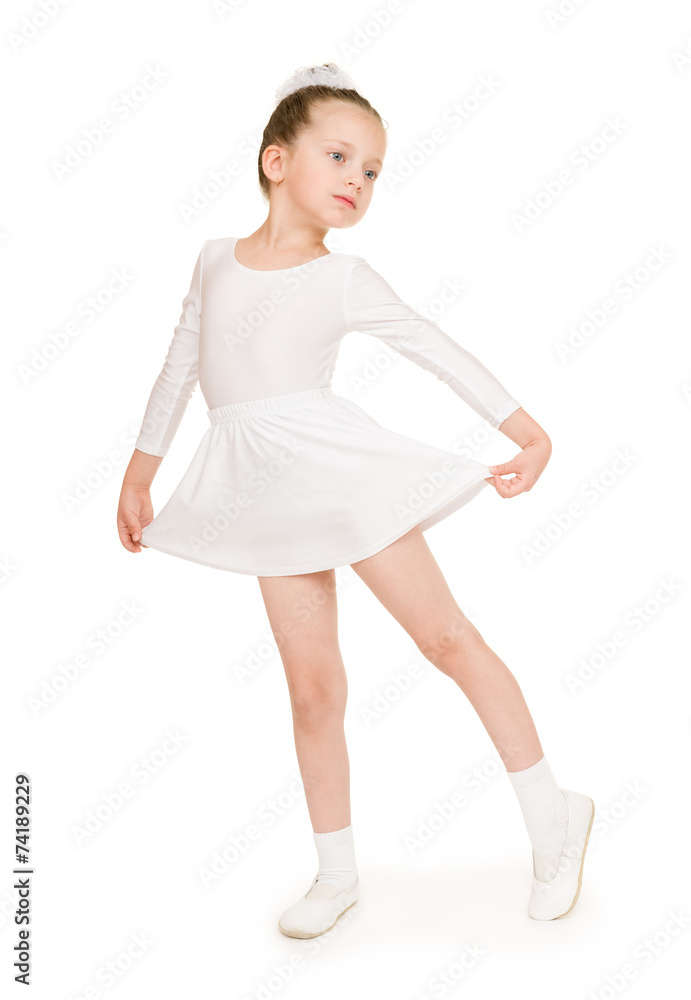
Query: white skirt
(305, 482)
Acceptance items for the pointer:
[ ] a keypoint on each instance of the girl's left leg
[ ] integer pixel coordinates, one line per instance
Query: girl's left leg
(407, 580)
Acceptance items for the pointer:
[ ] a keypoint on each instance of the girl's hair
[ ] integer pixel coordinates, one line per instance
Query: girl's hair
(292, 116)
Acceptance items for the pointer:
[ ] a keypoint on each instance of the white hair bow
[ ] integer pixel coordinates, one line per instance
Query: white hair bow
(327, 75)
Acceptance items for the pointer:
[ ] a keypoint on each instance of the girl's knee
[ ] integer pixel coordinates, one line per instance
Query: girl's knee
(448, 646)
(316, 702)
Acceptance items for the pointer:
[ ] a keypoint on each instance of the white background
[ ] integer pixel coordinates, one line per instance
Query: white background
(442, 210)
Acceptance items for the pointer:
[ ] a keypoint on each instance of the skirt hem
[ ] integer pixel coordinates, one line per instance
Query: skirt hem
(429, 519)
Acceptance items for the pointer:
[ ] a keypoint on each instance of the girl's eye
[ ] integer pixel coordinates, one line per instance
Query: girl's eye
(373, 172)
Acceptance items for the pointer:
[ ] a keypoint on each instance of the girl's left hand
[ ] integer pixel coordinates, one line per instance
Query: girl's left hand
(528, 466)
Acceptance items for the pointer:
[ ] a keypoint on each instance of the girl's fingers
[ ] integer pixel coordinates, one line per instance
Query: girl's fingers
(505, 487)
(130, 534)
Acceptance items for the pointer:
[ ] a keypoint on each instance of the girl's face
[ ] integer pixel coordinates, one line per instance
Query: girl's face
(331, 171)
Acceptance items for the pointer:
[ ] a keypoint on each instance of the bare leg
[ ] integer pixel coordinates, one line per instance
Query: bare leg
(406, 578)
(303, 615)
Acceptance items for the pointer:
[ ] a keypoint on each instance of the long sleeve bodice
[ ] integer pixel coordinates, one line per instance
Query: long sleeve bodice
(246, 334)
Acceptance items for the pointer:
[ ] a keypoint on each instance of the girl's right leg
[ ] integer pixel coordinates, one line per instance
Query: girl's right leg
(303, 615)
(302, 612)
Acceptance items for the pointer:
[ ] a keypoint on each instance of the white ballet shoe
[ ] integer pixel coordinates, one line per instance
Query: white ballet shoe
(318, 910)
(555, 895)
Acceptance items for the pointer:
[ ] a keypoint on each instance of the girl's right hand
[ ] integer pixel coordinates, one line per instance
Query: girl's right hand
(135, 511)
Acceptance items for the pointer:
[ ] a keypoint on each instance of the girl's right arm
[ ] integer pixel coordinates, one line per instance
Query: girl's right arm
(164, 411)
(135, 509)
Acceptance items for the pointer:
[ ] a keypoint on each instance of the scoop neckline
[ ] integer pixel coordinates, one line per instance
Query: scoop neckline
(273, 270)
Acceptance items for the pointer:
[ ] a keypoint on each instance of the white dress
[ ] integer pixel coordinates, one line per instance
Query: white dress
(290, 477)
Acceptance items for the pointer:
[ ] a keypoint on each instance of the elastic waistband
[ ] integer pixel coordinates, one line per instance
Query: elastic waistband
(268, 404)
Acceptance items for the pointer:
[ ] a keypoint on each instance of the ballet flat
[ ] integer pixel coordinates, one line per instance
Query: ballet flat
(557, 896)
(318, 910)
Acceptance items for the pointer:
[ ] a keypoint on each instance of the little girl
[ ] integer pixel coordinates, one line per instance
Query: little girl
(291, 480)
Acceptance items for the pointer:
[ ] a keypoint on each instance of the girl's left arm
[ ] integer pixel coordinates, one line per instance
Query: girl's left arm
(529, 464)
(372, 306)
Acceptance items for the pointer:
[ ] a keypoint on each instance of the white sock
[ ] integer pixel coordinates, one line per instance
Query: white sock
(336, 852)
(545, 813)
